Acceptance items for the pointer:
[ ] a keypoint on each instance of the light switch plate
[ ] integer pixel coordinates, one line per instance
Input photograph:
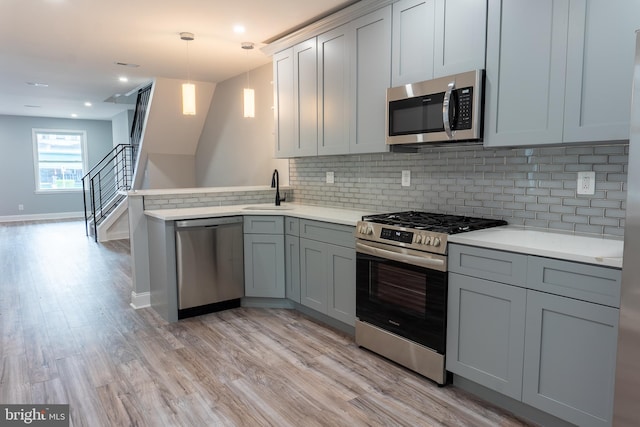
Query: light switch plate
(330, 178)
(406, 178)
(586, 183)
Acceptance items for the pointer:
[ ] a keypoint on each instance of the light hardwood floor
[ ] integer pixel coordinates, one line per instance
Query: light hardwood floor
(70, 336)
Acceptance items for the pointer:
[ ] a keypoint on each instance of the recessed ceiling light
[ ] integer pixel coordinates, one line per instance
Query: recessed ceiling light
(74, 115)
(127, 64)
(36, 84)
(238, 29)
(88, 104)
(123, 79)
(32, 106)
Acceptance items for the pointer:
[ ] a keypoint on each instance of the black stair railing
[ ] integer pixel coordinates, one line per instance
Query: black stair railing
(139, 115)
(104, 184)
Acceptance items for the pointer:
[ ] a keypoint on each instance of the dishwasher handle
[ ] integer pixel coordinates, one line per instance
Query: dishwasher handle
(209, 222)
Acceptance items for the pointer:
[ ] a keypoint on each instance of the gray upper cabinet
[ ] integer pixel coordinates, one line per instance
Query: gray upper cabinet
(329, 91)
(460, 35)
(435, 38)
(283, 103)
(599, 69)
(370, 78)
(525, 73)
(354, 71)
(559, 71)
(296, 100)
(305, 98)
(413, 41)
(333, 91)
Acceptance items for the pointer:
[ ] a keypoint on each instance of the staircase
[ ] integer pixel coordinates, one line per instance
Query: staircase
(105, 185)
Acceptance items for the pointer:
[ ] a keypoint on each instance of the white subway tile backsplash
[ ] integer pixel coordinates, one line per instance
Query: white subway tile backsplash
(527, 186)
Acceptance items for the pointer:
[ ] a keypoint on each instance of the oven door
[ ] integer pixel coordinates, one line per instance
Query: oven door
(402, 291)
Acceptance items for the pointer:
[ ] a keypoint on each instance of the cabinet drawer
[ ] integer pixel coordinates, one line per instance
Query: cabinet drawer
(580, 281)
(336, 234)
(292, 226)
(499, 266)
(259, 224)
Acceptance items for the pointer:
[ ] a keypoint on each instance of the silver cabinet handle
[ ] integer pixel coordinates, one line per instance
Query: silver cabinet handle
(446, 105)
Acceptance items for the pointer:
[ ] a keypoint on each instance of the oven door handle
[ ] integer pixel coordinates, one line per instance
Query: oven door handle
(420, 261)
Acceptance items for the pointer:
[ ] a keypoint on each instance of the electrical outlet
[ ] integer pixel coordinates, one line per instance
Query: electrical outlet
(406, 178)
(20, 207)
(586, 183)
(330, 178)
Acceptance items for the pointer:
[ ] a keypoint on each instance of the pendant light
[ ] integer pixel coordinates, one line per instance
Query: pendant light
(248, 93)
(188, 89)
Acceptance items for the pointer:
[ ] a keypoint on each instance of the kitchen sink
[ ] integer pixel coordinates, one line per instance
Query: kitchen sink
(268, 208)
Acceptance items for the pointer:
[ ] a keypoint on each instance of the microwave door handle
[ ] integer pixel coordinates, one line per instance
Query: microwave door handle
(446, 105)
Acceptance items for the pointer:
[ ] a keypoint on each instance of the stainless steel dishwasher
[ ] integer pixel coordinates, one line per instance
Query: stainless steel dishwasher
(210, 265)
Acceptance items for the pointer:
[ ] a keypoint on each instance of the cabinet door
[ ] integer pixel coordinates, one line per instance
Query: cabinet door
(413, 41)
(341, 275)
(370, 78)
(485, 333)
(313, 274)
(264, 267)
(333, 91)
(305, 95)
(599, 69)
(570, 358)
(525, 73)
(283, 103)
(292, 267)
(460, 36)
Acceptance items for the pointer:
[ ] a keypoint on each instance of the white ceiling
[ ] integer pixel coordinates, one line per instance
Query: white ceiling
(72, 46)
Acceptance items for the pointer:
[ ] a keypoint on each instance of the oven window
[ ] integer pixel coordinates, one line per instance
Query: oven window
(402, 288)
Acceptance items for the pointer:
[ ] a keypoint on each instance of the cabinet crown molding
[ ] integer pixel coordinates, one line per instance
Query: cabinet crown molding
(322, 25)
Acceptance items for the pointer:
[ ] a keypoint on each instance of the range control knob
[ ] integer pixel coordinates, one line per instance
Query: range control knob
(418, 239)
(427, 240)
(436, 241)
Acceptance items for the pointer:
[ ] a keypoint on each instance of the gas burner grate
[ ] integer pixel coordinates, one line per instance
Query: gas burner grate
(435, 222)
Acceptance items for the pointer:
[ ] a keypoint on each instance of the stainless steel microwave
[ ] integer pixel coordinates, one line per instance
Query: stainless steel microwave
(442, 110)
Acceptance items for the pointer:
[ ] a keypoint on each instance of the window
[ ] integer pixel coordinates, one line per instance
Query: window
(60, 158)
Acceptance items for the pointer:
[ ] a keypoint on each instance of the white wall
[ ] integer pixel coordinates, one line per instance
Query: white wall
(170, 171)
(234, 150)
(170, 138)
(121, 127)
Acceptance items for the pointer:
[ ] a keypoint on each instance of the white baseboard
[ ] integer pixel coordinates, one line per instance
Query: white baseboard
(140, 300)
(42, 217)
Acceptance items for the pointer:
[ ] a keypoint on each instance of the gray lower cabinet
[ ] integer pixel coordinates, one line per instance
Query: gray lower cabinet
(485, 333)
(570, 358)
(327, 269)
(292, 258)
(539, 330)
(264, 263)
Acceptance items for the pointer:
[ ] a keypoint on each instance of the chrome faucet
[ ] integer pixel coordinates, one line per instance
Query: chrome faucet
(275, 183)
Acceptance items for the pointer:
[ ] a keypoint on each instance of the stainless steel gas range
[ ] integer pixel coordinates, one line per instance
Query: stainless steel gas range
(401, 286)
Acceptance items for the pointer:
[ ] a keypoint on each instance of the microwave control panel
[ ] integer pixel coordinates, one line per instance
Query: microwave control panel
(465, 105)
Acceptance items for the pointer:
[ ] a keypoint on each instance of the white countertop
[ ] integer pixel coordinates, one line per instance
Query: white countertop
(547, 243)
(318, 213)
